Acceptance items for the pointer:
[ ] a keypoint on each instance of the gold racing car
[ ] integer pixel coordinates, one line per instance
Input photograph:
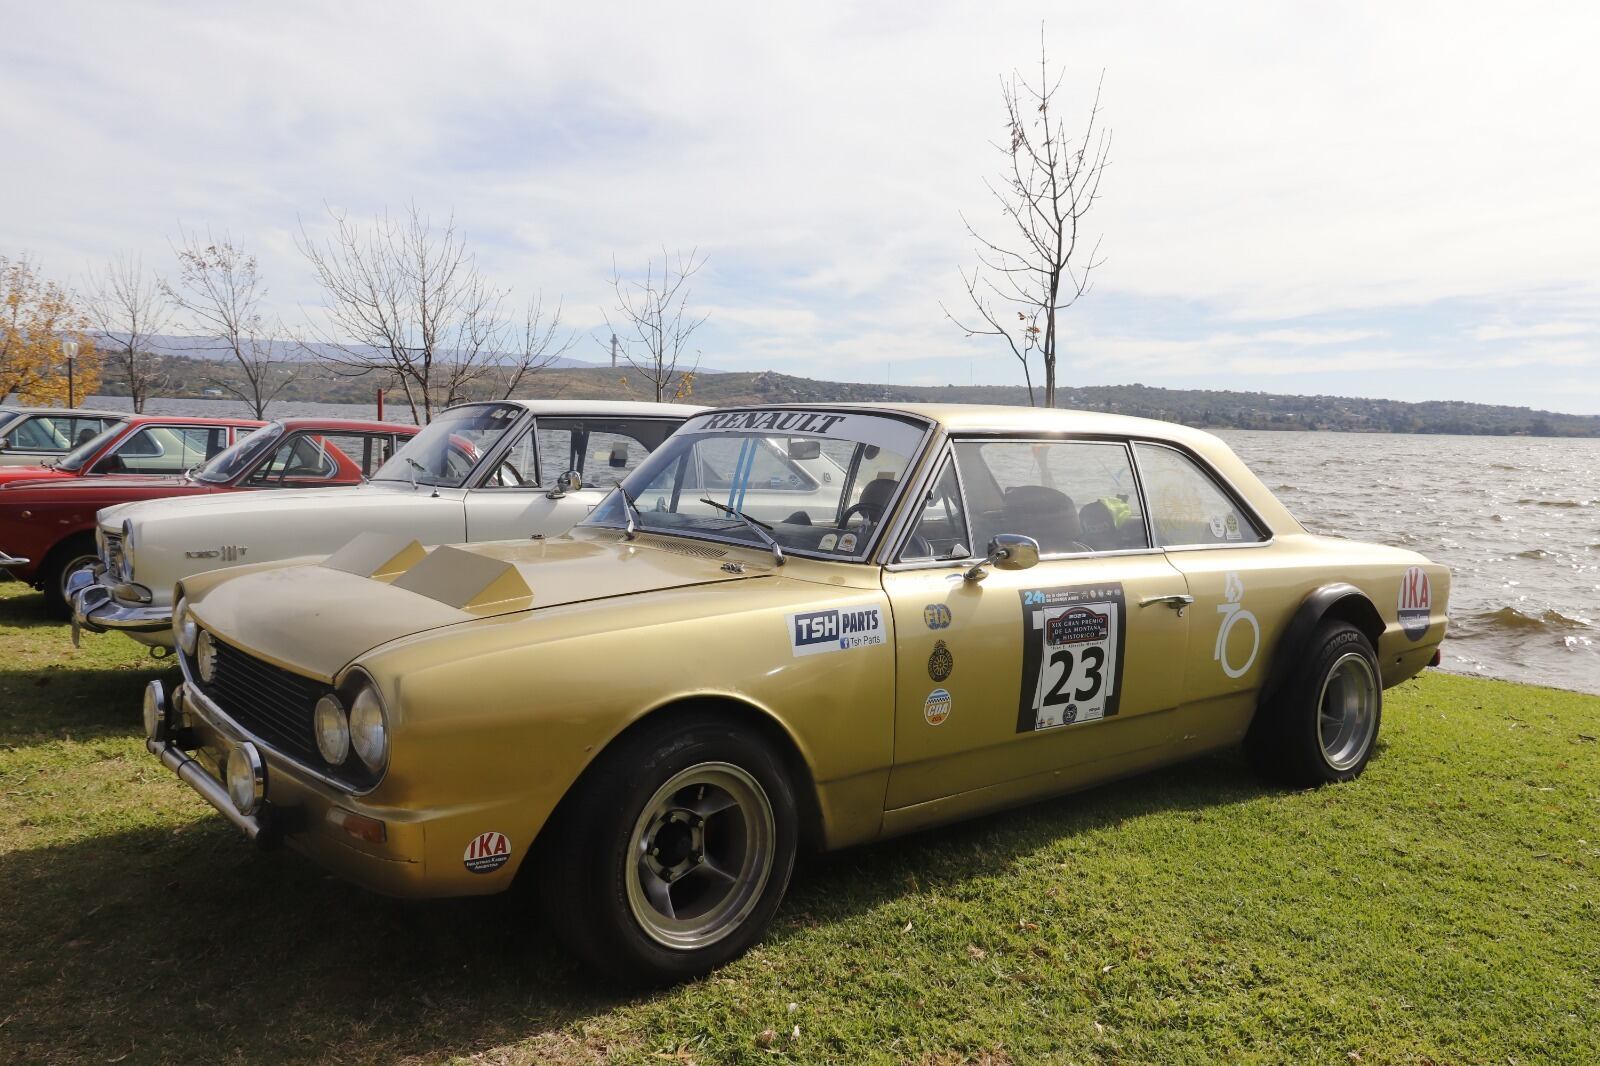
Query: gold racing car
(743, 653)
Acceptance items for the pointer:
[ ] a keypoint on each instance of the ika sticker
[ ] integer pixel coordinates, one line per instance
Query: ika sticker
(1071, 655)
(941, 664)
(847, 543)
(1234, 614)
(1416, 603)
(936, 616)
(936, 708)
(827, 542)
(487, 853)
(817, 632)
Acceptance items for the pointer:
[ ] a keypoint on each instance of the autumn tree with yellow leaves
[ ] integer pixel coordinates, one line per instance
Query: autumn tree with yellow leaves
(36, 315)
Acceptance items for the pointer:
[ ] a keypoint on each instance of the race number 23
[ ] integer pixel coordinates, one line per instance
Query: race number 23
(1072, 655)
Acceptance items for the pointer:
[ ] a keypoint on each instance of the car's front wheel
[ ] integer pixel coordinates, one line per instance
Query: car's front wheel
(1322, 725)
(673, 853)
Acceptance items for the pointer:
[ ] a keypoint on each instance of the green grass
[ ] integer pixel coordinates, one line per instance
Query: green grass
(1445, 908)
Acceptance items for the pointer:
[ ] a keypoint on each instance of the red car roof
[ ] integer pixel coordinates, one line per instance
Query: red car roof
(348, 425)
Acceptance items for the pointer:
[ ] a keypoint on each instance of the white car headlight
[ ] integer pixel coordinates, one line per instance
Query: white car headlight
(125, 567)
(184, 627)
(333, 730)
(205, 655)
(369, 731)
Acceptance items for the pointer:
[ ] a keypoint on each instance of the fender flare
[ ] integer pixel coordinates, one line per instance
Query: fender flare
(1339, 600)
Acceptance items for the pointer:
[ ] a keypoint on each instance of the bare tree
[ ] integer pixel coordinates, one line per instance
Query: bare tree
(1047, 185)
(652, 325)
(220, 289)
(540, 341)
(407, 301)
(129, 309)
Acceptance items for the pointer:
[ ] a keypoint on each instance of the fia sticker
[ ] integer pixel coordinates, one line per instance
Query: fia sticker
(936, 708)
(941, 664)
(937, 616)
(1416, 603)
(1234, 614)
(827, 542)
(817, 632)
(1071, 655)
(486, 853)
(847, 543)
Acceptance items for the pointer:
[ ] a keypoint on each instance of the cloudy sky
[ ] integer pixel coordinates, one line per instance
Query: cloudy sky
(1375, 200)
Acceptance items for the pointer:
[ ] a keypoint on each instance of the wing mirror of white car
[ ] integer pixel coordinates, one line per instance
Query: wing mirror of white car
(805, 449)
(1007, 551)
(5, 442)
(571, 481)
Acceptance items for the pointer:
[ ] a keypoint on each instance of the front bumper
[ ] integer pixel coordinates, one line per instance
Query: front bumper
(9, 562)
(193, 738)
(95, 608)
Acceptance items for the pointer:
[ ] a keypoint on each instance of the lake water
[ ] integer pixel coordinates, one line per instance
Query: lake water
(1517, 520)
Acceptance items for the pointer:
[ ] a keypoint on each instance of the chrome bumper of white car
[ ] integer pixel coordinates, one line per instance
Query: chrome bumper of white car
(8, 561)
(95, 608)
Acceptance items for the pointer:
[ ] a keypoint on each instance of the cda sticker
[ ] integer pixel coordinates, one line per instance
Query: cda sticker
(487, 853)
(1416, 603)
(936, 708)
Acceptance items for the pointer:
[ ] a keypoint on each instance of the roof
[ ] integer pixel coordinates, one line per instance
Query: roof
(194, 420)
(999, 418)
(633, 408)
(65, 412)
(345, 425)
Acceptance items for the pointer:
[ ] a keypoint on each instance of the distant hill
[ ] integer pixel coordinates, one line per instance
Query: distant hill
(190, 377)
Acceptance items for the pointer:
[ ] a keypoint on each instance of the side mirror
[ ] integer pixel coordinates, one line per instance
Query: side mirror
(805, 449)
(571, 481)
(1007, 551)
(5, 442)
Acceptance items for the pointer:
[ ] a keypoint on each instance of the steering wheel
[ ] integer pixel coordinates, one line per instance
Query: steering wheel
(867, 515)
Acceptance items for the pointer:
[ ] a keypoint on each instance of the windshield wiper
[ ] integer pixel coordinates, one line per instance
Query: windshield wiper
(631, 510)
(758, 527)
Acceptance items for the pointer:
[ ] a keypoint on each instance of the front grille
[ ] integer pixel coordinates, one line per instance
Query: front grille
(270, 702)
(111, 552)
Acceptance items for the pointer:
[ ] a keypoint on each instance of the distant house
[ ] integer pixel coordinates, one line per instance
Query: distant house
(212, 393)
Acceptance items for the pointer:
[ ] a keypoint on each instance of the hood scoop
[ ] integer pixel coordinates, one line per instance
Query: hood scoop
(380, 556)
(467, 581)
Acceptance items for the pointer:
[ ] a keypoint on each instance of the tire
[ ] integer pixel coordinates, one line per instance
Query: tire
(64, 558)
(618, 879)
(1322, 725)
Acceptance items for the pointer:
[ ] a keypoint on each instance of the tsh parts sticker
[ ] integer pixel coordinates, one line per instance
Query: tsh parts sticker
(1071, 655)
(816, 632)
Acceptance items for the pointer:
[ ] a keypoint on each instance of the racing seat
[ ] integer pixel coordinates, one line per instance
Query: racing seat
(875, 496)
(1047, 515)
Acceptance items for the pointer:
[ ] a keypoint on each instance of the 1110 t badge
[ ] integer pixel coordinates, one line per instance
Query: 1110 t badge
(1071, 655)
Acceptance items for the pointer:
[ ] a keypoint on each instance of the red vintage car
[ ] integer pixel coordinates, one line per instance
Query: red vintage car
(148, 445)
(47, 526)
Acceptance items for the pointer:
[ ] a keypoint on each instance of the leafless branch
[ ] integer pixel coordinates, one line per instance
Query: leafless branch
(653, 326)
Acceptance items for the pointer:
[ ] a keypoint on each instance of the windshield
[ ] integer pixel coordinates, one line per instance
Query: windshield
(75, 459)
(447, 449)
(820, 482)
(229, 464)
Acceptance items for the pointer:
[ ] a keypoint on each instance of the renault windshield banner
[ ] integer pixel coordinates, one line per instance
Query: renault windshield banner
(890, 434)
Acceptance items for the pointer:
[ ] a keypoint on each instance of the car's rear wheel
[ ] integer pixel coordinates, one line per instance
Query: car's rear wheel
(1322, 726)
(62, 562)
(673, 852)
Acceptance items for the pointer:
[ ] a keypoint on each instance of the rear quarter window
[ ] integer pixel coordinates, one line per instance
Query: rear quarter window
(1188, 505)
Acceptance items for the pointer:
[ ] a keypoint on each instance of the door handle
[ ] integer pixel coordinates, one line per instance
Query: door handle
(1177, 601)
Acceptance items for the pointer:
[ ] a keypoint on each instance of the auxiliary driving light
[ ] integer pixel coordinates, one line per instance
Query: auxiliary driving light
(206, 657)
(247, 778)
(155, 712)
(333, 730)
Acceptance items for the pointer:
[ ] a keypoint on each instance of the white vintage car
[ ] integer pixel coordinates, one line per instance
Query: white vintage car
(480, 471)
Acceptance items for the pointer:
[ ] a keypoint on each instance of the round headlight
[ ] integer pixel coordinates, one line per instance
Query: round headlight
(184, 628)
(247, 778)
(125, 565)
(205, 654)
(333, 730)
(369, 733)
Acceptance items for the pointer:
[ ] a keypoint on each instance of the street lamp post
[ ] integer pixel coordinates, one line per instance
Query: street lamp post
(69, 348)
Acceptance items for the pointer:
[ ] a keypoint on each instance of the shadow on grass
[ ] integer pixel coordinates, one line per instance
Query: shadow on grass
(22, 607)
(157, 944)
(58, 703)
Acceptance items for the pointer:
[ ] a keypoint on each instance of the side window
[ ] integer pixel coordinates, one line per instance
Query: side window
(40, 434)
(165, 450)
(1070, 496)
(603, 450)
(312, 457)
(941, 531)
(1187, 506)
